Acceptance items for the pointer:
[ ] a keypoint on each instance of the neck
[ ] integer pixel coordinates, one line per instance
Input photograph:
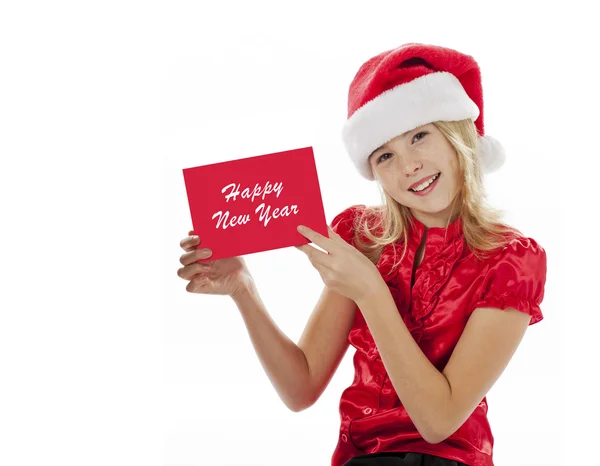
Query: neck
(438, 219)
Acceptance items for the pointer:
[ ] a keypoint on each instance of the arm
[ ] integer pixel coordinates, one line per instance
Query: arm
(440, 402)
(299, 372)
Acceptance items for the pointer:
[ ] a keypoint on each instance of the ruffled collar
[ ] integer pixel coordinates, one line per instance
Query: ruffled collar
(440, 242)
(444, 247)
(435, 235)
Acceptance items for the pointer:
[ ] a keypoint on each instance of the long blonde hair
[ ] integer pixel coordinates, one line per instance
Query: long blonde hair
(482, 228)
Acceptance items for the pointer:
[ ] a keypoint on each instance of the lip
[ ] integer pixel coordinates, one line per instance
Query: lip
(422, 180)
(428, 189)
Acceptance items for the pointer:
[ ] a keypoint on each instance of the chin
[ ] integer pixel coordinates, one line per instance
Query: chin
(427, 207)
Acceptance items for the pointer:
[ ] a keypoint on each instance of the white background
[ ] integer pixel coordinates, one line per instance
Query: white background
(105, 359)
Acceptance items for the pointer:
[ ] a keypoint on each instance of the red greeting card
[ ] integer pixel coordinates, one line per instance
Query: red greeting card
(254, 204)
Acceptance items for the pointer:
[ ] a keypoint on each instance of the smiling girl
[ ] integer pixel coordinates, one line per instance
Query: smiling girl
(433, 291)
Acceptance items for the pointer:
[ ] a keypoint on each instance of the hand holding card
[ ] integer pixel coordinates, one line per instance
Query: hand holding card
(254, 204)
(228, 276)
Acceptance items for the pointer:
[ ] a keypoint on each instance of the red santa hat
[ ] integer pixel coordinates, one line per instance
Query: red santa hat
(410, 86)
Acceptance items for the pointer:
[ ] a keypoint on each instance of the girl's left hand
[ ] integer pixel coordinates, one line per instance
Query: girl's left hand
(343, 268)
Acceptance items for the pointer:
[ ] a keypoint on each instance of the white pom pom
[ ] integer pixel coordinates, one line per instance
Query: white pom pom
(491, 153)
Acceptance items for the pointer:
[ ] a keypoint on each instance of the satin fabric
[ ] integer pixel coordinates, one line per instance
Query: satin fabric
(450, 283)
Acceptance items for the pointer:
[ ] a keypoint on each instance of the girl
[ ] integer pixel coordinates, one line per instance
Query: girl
(432, 290)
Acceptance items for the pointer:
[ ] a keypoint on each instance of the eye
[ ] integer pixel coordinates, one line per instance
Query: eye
(420, 132)
(381, 157)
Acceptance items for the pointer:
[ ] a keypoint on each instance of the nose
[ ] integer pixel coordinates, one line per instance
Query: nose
(410, 164)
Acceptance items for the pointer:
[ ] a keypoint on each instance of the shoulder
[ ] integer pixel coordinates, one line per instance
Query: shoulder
(353, 218)
(515, 276)
(349, 212)
(345, 222)
(519, 249)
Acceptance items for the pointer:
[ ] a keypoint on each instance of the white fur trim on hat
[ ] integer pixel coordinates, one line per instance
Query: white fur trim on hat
(436, 96)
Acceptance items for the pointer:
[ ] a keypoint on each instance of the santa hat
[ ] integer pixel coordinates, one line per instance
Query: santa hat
(410, 86)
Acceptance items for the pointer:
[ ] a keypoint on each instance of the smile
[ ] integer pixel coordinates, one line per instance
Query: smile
(426, 186)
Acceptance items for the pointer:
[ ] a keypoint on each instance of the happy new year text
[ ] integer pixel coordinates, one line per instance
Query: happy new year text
(264, 211)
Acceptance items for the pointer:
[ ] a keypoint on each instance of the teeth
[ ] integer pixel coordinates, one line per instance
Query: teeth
(422, 186)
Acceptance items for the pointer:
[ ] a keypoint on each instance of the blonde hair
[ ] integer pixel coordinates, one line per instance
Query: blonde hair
(482, 228)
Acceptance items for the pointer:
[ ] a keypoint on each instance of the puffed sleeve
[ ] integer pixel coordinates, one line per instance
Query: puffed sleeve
(343, 223)
(516, 279)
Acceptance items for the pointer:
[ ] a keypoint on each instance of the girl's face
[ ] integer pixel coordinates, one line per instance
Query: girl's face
(419, 169)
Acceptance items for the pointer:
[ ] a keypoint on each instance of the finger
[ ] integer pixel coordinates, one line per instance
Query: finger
(189, 243)
(316, 257)
(332, 234)
(199, 284)
(190, 271)
(316, 238)
(195, 255)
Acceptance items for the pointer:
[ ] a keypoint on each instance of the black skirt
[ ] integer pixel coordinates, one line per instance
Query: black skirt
(401, 459)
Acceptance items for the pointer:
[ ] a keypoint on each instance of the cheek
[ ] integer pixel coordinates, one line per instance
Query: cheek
(391, 187)
(453, 168)
(388, 180)
(453, 172)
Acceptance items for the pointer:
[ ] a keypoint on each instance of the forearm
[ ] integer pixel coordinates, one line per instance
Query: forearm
(283, 360)
(423, 390)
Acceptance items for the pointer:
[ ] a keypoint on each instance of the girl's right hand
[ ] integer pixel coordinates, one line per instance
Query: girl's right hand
(228, 276)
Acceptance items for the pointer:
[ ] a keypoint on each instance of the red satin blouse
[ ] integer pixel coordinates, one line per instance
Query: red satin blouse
(449, 285)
